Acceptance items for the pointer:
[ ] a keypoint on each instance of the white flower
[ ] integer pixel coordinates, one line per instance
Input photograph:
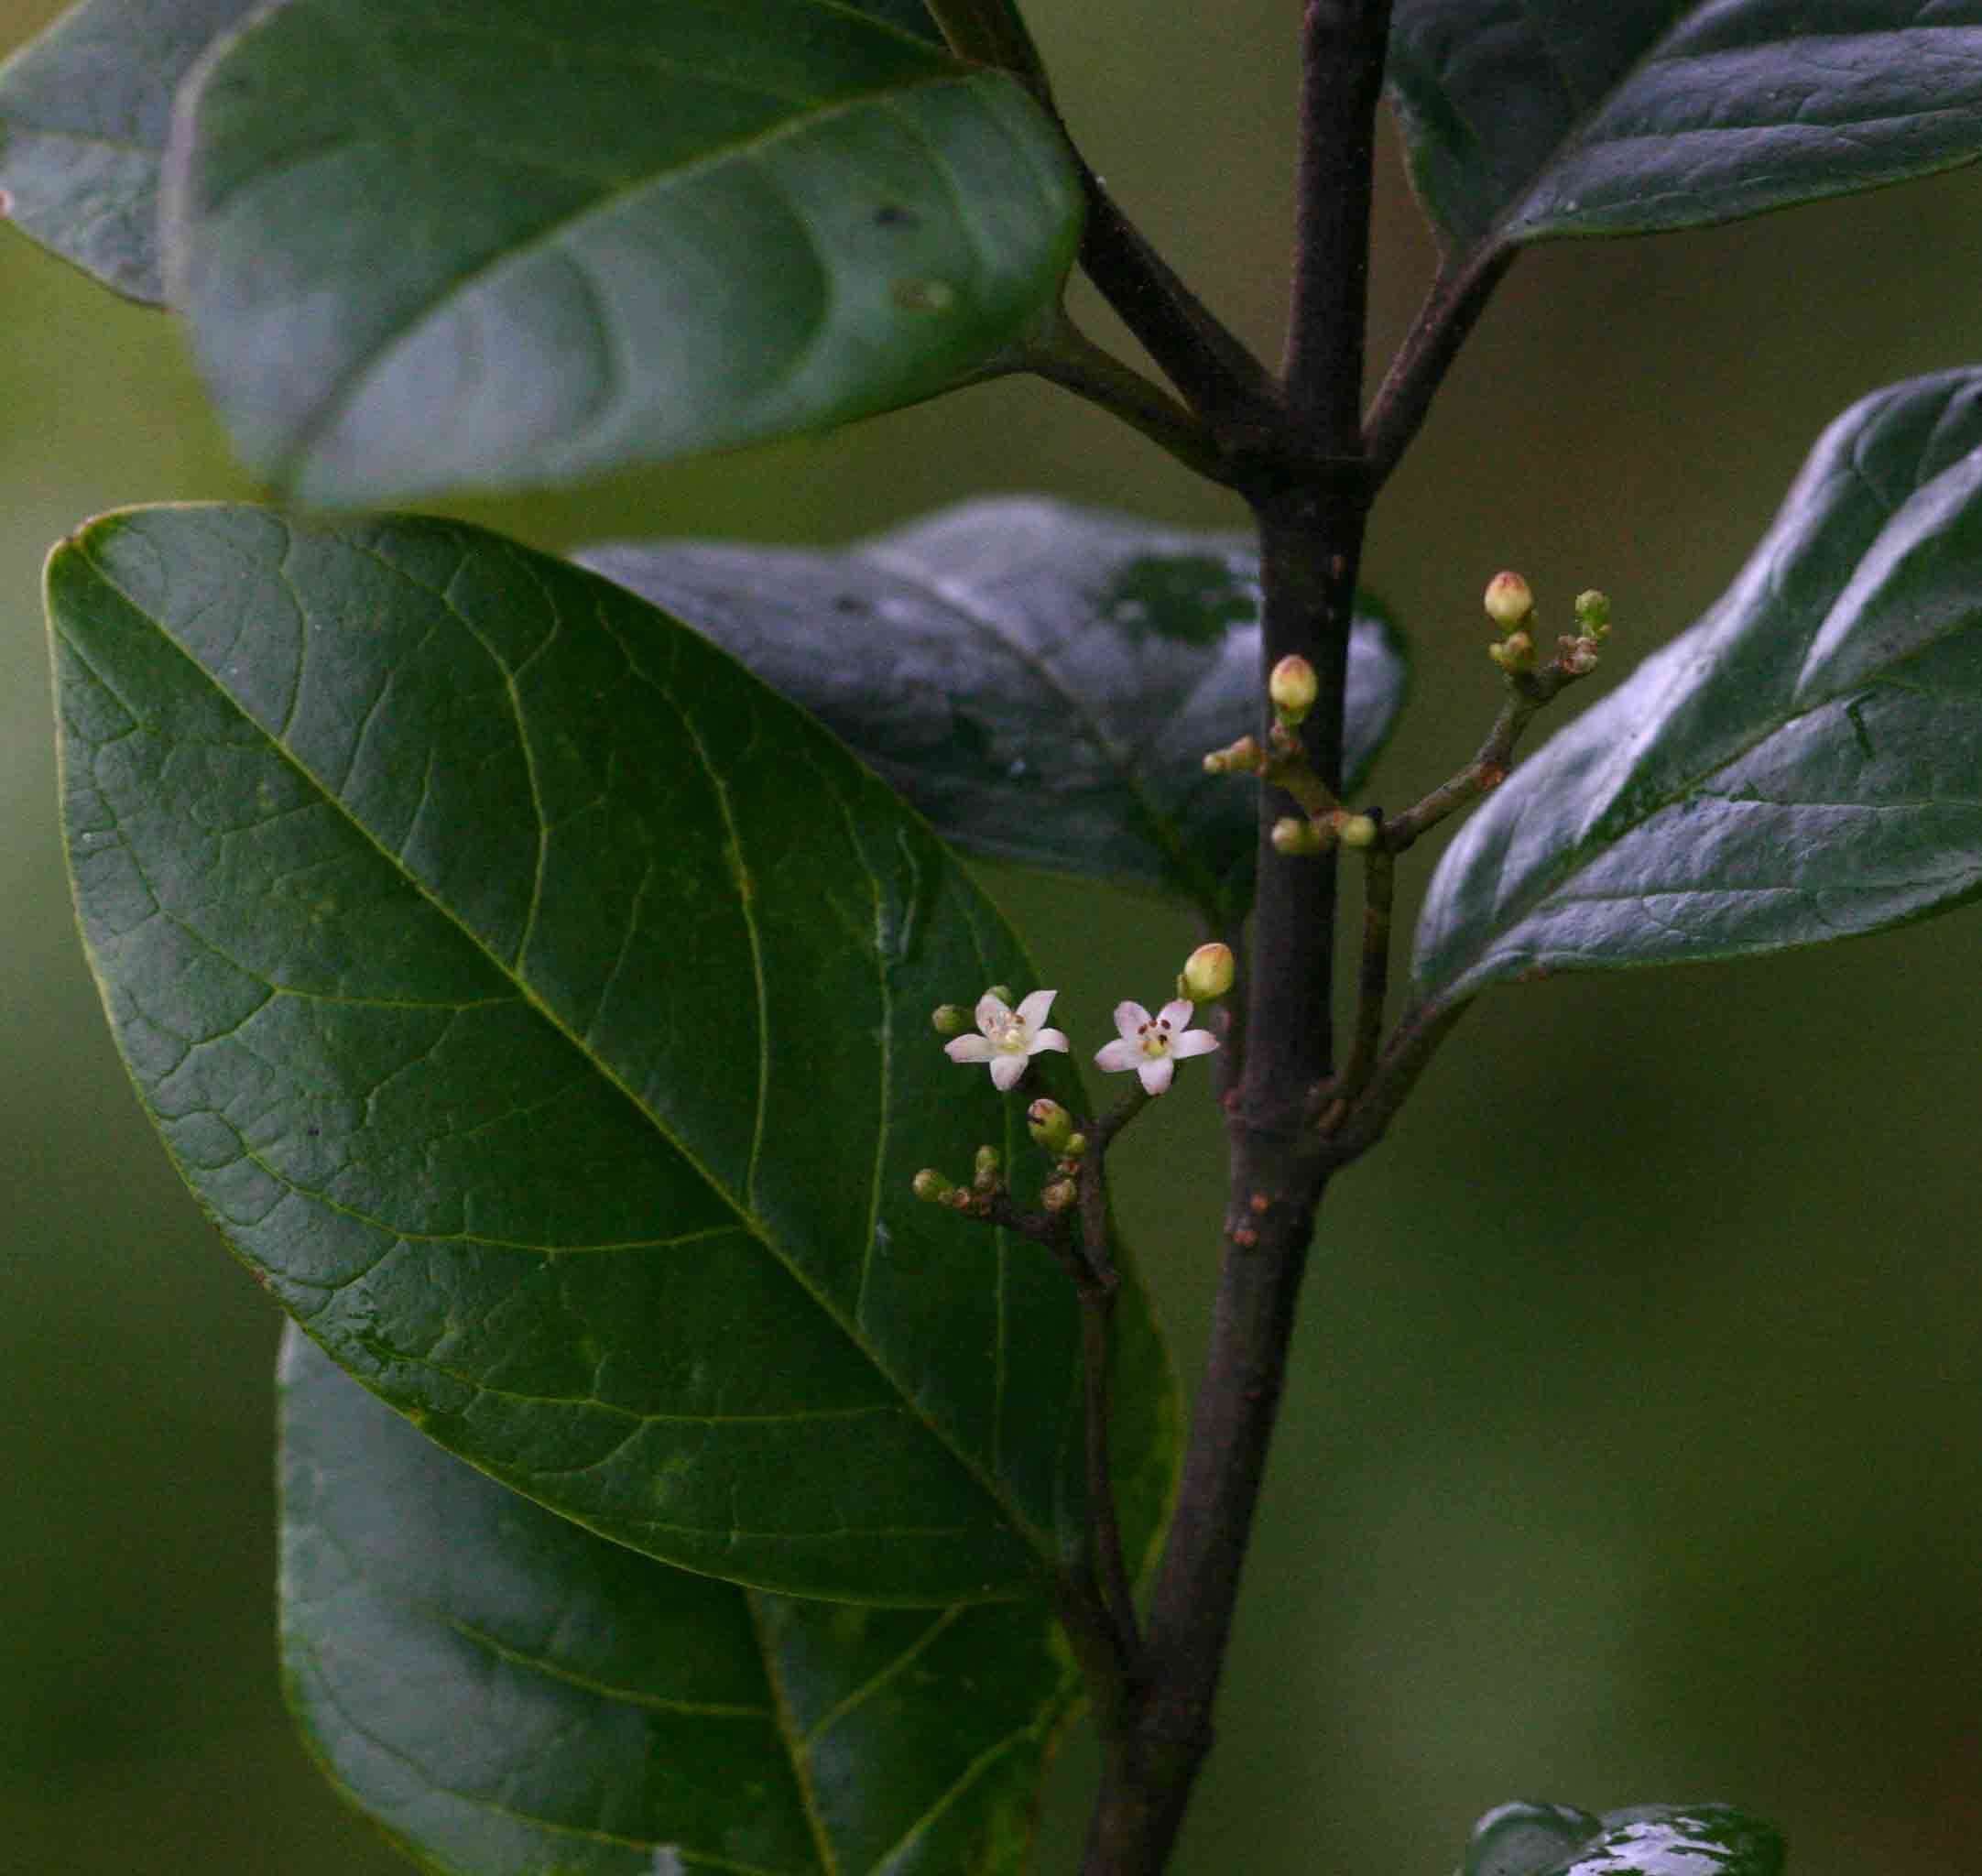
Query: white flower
(1008, 1036)
(1152, 1046)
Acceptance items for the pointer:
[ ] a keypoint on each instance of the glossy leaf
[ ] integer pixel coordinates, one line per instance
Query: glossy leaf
(83, 114)
(1041, 681)
(541, 1005)
(505, 1694)
(1524, 1839)
(1556, 117)
(1804, 764)
(489, 242)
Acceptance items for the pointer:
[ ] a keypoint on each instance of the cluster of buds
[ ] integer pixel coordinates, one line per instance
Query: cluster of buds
(1053, 1127)
(1511, 607)
(986, 1183)
(1319, 832)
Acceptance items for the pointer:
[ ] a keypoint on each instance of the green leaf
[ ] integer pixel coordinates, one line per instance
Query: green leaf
(1804, 764)
(1525, 123)
(505, 1694)
(1524, 1839)
(541, 1005)
(1041, 681)
(483, 243)
(84, 113)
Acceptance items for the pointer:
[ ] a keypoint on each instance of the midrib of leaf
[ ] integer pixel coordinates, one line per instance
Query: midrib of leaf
(1695, 784)
(351, 385)
(1168, 837)
(796, 1755)
(988, 1483)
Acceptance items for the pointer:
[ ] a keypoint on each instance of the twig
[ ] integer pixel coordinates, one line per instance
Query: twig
(1405, 1057)
(990, 32)
(1458, 298)
(1373, 976)
(1527, 693)
(1097, 1295)
(1065, 355)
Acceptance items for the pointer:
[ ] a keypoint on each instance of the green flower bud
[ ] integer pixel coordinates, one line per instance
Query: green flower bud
(1003, 992)
(1293, 688)
(930, 1187)
(949, 1019)
(988, 1162)
(1294, 837)
(1508, 601)
(1513, 653)
(1208, 974)
(1076, 1145)
(1050, 1124)
(1242, 758)
(1593, 613)
(1357, 830)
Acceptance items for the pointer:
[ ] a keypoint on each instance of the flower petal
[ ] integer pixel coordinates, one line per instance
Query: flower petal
(1156, 1072)
(969, 1049)
(1005, 1071)
(1032, 1010)
(1193, 1042)
(1048, 1039)
(991, 1013)
(1129, 1018)
(1176, 1014)
(1112, 1058)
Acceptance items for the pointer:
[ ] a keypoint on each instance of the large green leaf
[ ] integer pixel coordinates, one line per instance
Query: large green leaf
(1804, 764)
(507, 1695)
(541, 1005)
(491, 242)
(1524, 1839)
(1527, 119)
(84, 113)
(1041, 681)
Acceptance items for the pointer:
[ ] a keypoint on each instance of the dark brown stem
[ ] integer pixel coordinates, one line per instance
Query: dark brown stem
(1311, 525)
(990, 32)
(1405, 1057)
(1065, 355)
(1097, 1318)
(1458, 296)
(1219, 377)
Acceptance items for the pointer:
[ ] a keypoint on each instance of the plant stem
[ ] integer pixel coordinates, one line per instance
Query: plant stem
(1310, 516)
(1458, 296)
(1063, 354)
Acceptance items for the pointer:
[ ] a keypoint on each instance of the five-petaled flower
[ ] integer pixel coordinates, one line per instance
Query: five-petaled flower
(1153, 1045)
(1007, 1037)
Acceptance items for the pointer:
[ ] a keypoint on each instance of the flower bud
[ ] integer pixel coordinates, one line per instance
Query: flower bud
(1003, 992)
(1513, 653)
(1050, 1124)
(1076, 1145)
(1508, 601)
(1293, 688)
(1578, 657)
(930, 1187)
(1060, 1196)
(1593, 613)
(1208, 974)
(1242, 758)
(1357, 830)
(949, 1019)
(1294, 837)
(986, 1176)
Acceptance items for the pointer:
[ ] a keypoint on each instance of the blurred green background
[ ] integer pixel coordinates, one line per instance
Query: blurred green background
(1631, 1449)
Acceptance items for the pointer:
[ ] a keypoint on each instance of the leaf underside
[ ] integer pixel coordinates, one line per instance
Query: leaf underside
(485, 242)
(85, 111)
(505, 1694)
(1804, 764)
(540, 1005)
(1525, 120)
(1042, 680)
